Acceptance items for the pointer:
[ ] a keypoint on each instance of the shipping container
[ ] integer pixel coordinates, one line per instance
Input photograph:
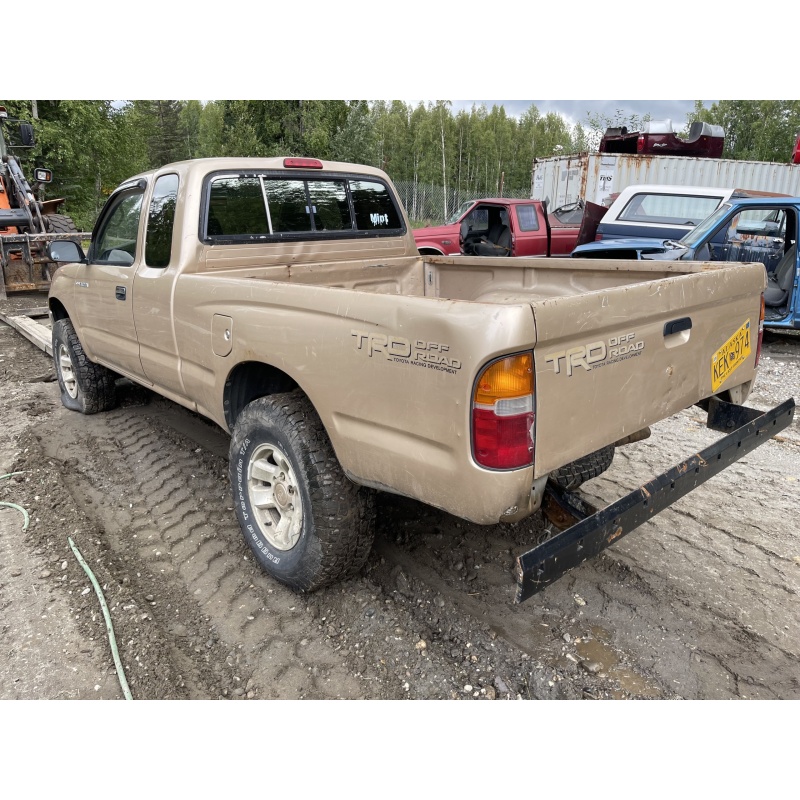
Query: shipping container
(593, 177)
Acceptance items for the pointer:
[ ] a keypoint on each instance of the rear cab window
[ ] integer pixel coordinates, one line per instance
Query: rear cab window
(526, 216)
(281, 206)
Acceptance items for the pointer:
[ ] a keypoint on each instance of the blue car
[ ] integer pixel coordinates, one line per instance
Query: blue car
(749, 229)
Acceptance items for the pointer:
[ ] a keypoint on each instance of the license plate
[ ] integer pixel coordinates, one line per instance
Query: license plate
(730, 356)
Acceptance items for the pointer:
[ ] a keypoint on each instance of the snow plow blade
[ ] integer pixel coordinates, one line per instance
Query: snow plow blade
(586, 531)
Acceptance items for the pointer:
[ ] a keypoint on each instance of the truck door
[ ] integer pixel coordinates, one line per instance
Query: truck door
(753, 234)
(103, 288)
(153, 289)
(530, 237)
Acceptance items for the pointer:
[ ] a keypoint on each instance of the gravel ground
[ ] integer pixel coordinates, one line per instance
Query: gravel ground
(700, 602)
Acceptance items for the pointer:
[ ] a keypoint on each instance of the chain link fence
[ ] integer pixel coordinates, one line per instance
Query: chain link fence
(425, 203)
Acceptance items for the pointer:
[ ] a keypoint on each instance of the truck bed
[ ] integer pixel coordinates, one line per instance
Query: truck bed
(580, 310)
(476, 279)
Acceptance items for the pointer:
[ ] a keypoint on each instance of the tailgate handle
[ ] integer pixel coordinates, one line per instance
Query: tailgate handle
(120, 293)
(678, 325)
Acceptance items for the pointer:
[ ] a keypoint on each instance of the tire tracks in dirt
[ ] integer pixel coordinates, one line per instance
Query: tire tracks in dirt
(177, 534)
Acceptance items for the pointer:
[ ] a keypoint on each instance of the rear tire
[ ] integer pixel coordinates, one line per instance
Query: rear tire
(306, 523)
(576, 473)
(85, 386)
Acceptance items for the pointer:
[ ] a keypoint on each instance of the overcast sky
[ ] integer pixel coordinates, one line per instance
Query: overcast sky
(578, 110)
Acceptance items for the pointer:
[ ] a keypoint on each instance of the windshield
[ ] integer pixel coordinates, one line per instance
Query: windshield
(697, 234)
(456, 215)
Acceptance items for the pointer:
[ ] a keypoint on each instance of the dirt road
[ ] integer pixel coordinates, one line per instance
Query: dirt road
(701, 602)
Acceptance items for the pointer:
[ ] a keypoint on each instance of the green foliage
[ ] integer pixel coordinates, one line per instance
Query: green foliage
(599, 122)
(755, 130)
(92, 145)
(88, 144)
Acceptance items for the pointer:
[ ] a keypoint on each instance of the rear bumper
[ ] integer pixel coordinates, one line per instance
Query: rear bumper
(589, 531)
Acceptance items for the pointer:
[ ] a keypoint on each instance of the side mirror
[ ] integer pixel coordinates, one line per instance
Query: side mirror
(26, 135)
(65, 251)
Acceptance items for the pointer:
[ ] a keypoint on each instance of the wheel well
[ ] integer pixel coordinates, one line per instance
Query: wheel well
(57, 310)
(429, 251)
(249, 381)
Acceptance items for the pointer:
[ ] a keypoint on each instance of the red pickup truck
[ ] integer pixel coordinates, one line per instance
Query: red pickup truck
(500, 226)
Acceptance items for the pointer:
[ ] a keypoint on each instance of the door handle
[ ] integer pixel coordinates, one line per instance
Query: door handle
(678, 325)
(120, 292)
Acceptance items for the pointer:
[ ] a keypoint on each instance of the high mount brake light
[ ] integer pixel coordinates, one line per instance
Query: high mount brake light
(303, 163)
(503, 413)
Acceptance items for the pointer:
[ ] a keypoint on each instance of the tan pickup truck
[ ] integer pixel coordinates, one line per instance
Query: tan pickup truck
(285, 300)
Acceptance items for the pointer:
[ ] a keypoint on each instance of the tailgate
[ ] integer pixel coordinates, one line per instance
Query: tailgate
(611, 362)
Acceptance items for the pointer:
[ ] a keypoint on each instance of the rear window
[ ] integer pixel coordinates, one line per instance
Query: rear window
(273, 207)
(236, 208)
(669, 209)
(373, 206)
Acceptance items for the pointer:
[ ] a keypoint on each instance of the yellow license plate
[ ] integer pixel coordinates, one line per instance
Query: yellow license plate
(730, 356)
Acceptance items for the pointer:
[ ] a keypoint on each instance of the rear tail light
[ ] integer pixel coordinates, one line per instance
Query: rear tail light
(598, 237)
(640, 144)
(503, 413)
(760, 330)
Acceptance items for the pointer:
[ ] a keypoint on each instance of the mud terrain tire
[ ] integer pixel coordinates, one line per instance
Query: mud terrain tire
(85, 386)
(306, 523)
(572, 475)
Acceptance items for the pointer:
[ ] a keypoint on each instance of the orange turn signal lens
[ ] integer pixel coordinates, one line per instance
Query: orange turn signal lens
(507, 378)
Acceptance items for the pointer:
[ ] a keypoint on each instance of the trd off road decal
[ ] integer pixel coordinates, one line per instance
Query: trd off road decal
(596, 354)
(418, 352)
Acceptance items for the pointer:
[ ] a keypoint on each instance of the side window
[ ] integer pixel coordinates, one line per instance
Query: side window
(755, 235)
(669, 209)
(528, 221)
(236, 208)
(374, 208)
(478, 220)
(115, 242)
(160, 221)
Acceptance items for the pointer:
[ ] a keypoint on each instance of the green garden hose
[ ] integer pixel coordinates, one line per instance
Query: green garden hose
(109, 627)
(14, 505)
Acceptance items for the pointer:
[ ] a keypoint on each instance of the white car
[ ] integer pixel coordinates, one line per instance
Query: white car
(662, 212)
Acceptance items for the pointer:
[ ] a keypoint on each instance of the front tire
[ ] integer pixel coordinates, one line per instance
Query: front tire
(85, 386)
(306, 523)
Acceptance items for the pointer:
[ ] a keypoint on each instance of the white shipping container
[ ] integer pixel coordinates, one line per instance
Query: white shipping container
(595, 176)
